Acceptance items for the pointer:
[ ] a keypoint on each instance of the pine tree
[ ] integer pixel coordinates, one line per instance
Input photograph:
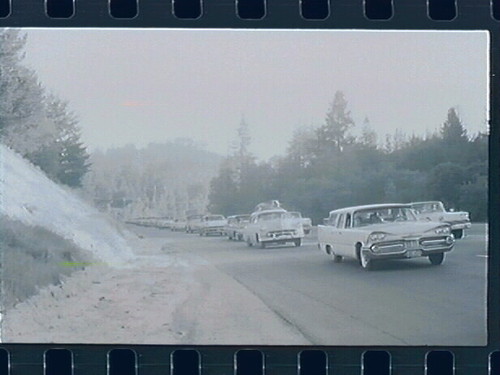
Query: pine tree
(73, 155)
(452, 130)
(64, 159)
(23, 124)
(334, 134)
(368, 135)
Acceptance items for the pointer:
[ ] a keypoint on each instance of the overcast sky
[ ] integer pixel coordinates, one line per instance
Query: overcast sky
(140, 86)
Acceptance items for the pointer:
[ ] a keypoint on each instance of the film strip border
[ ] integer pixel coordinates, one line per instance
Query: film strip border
(103, 360)
(302, 14)
(252, 13)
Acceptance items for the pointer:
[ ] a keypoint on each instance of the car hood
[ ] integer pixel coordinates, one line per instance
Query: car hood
(404, 228)
(281, 224)
(216, 223)
(444, 216)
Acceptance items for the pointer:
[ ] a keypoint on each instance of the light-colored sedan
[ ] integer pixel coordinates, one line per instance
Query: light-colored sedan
(306, 222)
(212, 224)
(274, 226)
(383, 231)
(235, 226)
(178, 225)
(435, 211)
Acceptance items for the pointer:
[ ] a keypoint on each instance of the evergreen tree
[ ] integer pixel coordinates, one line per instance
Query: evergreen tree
(73, 155)
(368, 135)
(452, 130)
(23, 124)
(334, 134)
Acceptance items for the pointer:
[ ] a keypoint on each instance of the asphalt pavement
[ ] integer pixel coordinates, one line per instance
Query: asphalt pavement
(401, 302)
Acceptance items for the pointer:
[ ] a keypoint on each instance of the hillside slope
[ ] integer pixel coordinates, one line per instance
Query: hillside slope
(28, 196)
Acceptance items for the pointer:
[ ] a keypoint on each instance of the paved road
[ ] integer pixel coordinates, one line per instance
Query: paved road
(401, 302)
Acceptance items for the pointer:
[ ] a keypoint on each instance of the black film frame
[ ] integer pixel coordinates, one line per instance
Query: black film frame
(34, 359)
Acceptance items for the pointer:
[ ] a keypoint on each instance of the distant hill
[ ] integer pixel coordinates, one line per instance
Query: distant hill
(162, 179)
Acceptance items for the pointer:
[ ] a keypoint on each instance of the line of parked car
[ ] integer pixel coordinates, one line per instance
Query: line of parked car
(268, 224)
(368, 233)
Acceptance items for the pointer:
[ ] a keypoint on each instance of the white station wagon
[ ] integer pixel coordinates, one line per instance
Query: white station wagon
(383, 231)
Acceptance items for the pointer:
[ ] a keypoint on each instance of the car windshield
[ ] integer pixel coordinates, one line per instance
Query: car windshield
(382, 215)
(428, 207)
(271, 216)
(215, 217)
(294, 215)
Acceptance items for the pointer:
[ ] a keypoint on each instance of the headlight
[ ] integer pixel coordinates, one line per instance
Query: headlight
(442, 230)
(376, 236)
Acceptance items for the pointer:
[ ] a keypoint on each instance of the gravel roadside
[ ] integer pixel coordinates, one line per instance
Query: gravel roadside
(164, 296)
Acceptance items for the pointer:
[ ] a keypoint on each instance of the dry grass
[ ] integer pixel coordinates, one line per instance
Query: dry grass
(32, 258)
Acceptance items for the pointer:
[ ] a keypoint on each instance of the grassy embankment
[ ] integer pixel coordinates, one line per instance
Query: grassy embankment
(32, 258)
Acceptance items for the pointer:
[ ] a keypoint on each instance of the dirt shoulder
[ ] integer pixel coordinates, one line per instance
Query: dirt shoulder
(165, 296)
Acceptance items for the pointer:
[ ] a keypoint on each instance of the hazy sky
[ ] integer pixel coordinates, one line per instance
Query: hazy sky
(141, 86)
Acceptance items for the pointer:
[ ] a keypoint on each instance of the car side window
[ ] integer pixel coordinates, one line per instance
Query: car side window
(333, 220)
(348, 221)
(340, 221)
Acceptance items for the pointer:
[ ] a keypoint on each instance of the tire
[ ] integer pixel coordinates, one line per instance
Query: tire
(366, 262)
(249, 242)
(262, 245)
(436, 259)
(458, 233)
(297, 242)
(336, 258)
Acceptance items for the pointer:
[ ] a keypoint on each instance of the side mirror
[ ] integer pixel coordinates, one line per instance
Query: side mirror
(325, 221)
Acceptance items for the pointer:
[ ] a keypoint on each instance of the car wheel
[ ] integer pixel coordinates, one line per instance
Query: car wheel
(297, 242)
(436, 259)
(458, 233)
(365, 261)
(249, 242)
(261, 244)
(336, 258)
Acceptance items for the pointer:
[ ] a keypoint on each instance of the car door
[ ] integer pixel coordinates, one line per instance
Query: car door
(327, 231)
(341, 234)
(251, 228)
(337, 235)
(351, 236)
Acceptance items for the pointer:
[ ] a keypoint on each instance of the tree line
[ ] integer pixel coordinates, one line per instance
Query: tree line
(161, 179)
(35, 123)
(327, 167)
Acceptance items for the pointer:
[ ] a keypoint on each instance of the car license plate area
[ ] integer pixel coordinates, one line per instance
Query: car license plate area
(413, 253)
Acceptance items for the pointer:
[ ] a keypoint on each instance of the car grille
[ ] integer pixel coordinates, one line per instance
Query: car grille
(279, 233)
(434, 242)
(389, 247)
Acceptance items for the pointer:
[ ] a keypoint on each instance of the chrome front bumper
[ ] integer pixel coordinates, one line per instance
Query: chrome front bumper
(403, 249)
(460, 225)
(285, 235)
